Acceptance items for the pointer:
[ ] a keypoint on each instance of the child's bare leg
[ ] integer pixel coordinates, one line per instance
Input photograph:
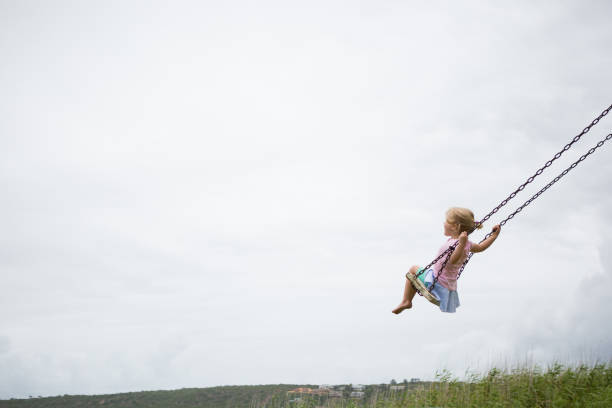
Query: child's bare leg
(409, 293)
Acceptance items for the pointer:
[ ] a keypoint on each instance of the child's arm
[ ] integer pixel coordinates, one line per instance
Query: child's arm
(487, 242)
(458, 252)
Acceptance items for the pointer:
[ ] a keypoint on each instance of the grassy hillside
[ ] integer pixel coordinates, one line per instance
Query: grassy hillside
(214, 397)
(555, 387)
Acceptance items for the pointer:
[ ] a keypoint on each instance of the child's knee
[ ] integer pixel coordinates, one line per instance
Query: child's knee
(414, 269)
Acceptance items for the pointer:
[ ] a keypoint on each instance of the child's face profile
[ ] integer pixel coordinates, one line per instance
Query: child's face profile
(450, 228)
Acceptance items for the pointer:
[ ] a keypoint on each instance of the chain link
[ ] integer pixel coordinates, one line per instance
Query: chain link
(546, 165)
(539, 193)
(521, 188)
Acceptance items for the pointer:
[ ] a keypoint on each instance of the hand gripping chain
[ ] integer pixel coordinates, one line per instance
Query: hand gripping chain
(539, 193)
(521, 188)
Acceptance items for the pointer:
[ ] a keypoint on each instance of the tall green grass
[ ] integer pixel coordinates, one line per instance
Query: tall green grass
(557, 386)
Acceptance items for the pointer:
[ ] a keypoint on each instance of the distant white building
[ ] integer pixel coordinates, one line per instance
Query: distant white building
(357, 394)
(359, 387)
(326, 386)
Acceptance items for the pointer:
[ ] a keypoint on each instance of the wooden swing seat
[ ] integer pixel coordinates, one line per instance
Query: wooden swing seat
(422, 289)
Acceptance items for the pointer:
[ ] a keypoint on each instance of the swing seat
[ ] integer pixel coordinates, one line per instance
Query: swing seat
(422, 289)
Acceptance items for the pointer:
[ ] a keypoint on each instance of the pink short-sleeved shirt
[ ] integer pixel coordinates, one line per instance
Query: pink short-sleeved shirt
(448, 278)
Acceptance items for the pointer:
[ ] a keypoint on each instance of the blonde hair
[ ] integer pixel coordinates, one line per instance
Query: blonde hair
(463, 217)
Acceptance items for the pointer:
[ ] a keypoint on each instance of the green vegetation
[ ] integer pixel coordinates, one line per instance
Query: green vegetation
(555, 387)
(214, 397)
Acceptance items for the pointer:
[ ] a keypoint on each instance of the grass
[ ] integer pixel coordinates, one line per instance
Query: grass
(556, 387)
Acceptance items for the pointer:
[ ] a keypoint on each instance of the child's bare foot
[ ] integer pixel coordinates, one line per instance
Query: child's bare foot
(402, 306)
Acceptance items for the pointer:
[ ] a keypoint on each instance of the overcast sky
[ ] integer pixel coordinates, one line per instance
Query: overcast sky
(222, 193)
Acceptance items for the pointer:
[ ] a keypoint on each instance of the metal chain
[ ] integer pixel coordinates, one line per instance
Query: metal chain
(433, 284)
(518, 190)
(436, 260)
(529, 180)
(539, 193)
(546, 165)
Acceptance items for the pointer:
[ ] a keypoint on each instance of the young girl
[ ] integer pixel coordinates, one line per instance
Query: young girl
(459, 223)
